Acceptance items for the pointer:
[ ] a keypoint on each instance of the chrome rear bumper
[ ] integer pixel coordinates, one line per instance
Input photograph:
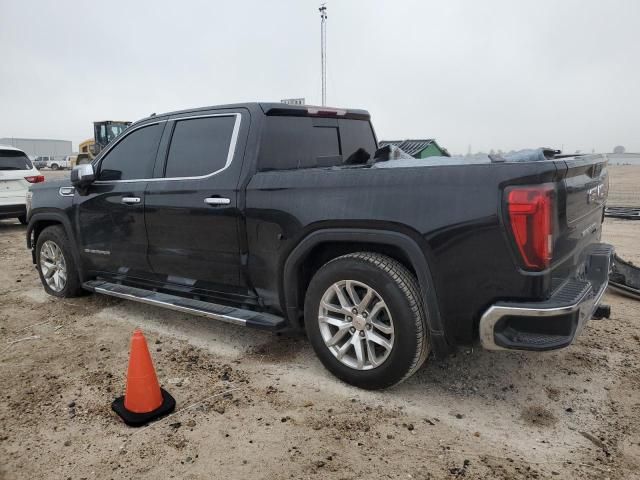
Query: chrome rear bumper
(553, 323)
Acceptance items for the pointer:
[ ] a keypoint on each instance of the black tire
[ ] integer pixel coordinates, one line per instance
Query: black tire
(398, 288)
(57, 235)
(54, 166)
(22, 219)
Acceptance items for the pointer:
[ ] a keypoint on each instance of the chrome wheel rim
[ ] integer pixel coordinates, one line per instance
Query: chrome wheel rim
(356, 325)
(53, 266)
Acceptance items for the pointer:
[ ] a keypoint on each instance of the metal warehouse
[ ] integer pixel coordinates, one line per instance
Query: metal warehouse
(37, 147)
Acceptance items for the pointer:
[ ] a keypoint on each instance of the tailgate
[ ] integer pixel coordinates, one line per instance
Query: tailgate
(12, 184)
(582, 194)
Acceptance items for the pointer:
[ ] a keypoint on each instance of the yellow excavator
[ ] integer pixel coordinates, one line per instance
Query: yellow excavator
(103, 133)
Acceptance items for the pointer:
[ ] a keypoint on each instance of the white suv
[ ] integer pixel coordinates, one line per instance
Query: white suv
(16, 173)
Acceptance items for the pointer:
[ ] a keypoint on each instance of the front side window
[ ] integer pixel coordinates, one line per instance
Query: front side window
(134, 156)
(199, 146)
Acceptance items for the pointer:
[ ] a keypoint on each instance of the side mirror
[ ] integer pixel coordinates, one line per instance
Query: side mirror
(82, 175)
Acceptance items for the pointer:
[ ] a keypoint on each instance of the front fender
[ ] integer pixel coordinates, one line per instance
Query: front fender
(51, 218)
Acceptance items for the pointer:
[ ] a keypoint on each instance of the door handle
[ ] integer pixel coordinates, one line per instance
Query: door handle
(131, 200)
(217, 201)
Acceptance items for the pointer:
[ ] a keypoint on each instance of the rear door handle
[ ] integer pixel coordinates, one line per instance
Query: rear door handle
(217, 201)
(131, 200)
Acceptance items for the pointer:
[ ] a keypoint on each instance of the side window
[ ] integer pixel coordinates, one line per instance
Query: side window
(134, 156)
(199, 146)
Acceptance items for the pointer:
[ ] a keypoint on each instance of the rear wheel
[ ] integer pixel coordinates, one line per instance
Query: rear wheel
(22, 219)
(54, 166)
(365, 320)
(56, 265)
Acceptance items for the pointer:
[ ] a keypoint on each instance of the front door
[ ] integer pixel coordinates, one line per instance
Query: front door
(192, 213)
(110, 215)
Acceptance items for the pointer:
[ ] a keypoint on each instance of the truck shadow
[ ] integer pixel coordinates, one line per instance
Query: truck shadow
(470, 374)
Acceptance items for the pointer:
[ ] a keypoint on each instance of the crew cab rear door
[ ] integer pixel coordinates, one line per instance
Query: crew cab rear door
(192, 213)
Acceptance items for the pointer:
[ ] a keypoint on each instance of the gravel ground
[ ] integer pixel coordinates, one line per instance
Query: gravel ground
(256, 405)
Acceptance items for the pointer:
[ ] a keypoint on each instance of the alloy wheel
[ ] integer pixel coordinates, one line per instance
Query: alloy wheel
(53, 266)
(356, 324)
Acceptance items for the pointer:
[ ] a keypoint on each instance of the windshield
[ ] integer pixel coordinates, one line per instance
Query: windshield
(14, 160)
(115, 129)
(106, 132)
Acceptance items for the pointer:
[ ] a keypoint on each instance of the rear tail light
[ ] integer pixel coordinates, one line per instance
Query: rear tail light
(35, 178)
(530, 212)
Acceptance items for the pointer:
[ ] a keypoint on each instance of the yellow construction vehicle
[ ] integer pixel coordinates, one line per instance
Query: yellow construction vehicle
(103, 133)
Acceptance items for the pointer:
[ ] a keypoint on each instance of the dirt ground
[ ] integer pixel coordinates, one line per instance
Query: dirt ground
(256, 405)
(623, 186)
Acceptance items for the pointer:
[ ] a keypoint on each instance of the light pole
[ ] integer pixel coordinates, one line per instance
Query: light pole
(323, 49)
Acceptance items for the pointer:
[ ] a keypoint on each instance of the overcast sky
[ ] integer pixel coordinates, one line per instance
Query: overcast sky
(499, 74)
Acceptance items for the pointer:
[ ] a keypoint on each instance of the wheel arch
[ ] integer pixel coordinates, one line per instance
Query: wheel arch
(320, 246)
(39, 221)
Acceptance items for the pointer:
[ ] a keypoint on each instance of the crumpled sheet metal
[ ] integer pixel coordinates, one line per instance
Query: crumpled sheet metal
(400, 159)
(625, 278)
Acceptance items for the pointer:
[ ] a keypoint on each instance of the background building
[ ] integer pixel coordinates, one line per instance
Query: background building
(624, 158)
(37, 147)
(418, 148)
(294, 101)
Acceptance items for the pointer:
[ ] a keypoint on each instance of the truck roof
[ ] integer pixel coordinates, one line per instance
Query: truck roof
(277, 109)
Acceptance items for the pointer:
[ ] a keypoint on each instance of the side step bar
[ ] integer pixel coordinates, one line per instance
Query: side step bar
(238, 316)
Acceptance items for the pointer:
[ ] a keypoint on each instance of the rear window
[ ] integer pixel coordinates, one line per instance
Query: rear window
(307, 142)
(356, 134)
(14, 160)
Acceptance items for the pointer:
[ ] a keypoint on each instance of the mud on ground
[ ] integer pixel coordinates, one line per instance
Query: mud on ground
(256, 405)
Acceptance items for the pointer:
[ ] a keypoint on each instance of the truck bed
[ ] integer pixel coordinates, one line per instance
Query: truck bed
(454, 212)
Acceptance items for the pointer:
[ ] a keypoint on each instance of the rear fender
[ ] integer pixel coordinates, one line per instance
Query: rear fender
(291, 271)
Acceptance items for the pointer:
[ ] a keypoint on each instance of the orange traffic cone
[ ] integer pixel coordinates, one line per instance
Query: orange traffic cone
(143, 400)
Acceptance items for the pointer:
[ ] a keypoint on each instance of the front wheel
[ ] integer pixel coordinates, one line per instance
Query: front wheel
(56, 265)
(54, 166)
(365, 320)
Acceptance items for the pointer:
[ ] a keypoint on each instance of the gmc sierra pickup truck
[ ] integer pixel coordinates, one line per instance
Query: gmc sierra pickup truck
(280, 217)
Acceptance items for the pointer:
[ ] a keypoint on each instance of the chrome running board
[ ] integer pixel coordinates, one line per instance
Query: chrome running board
(238, 316)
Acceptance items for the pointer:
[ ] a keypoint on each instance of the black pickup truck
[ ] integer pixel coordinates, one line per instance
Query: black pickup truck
(278, 217)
